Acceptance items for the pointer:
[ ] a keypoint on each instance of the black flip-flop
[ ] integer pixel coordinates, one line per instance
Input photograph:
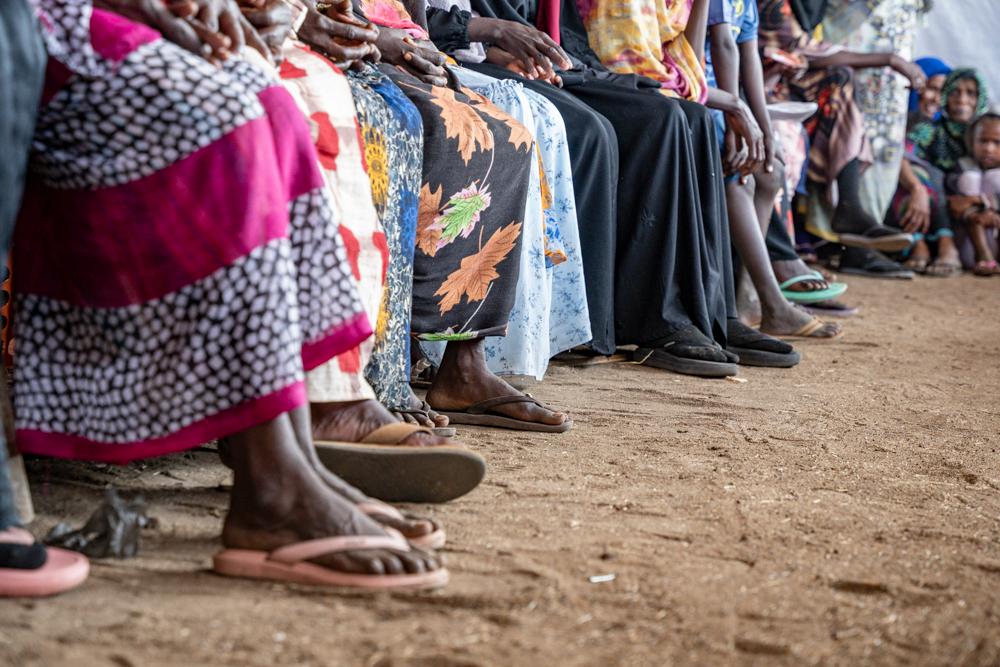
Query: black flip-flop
(871, 264)
(393, 472)
(668, 355)
(661, 357)
(758, 349)
(484, 413)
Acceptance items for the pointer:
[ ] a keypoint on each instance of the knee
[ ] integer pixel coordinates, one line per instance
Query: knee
(768, 183)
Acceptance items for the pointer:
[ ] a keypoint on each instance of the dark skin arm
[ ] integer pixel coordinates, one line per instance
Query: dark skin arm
(421, 59)
(696, 28)
(866, 60)
(918, 213)
(537, 54)
(726, 62)
(169, 20)
(272, 21)
(339, 35)
(752, 78)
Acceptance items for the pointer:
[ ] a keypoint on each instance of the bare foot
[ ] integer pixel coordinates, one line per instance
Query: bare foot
(786, 320)
(464, 380)
(420, 414)
(352, 421)
(948, 262)
(786, 269)
(747, 301)
(410, 527)
(278, 499)
(920, 257)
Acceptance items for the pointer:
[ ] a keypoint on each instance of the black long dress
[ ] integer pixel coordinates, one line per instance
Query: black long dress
(648, 183)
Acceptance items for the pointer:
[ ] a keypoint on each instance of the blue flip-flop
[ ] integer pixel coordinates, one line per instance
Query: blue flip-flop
(814, 296)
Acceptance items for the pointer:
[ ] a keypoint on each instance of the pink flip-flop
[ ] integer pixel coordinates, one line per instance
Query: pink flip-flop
(433, 540)
(63, 570)
(289, 564)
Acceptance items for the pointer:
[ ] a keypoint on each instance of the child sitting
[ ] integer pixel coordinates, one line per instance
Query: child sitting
(977, 203)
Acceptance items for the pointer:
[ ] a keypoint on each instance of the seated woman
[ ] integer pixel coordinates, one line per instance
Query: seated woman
(493, 152)
(977, 202)
(152, 328)
(391, 123)
(919, 205)
(809, 71)
(634, 225)
(550, 313)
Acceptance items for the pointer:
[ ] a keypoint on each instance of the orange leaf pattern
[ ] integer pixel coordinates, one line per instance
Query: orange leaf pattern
(463, 288)
(520, 136)
(463, 123)
(473, 277)
(428, 234)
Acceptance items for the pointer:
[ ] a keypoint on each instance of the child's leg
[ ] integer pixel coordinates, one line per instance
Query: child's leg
(981, 242)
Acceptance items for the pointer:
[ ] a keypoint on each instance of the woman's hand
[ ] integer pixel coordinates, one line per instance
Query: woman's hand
(910, 70)
(167, 19)
(537, 53)
(959, 205)
(498, 56)
(742, 123)
(422, 61)
(917, 218)
(271, 21)
(339, 35)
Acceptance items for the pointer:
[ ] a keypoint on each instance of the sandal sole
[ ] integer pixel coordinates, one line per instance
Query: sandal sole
(400, 473)
(765, 359)
(896, 243)
(696, 367)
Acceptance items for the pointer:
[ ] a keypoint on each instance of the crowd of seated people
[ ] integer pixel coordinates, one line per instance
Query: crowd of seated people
(255, 221)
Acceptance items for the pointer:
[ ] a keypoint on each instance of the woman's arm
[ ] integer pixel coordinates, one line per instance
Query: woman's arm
(752, 78)
(696, 28)
(726, 63)
(866, 60)
(918, 212)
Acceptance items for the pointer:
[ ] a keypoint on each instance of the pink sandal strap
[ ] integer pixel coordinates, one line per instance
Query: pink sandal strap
(309, 549)
(374, 507)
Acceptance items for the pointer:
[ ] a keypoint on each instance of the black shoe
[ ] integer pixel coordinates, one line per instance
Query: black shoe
(869, 263)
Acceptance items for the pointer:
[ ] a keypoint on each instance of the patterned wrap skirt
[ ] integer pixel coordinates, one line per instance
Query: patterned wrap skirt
(178, 262)
(476, 172)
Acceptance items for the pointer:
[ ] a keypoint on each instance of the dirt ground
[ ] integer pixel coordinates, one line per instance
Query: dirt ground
(844, 512)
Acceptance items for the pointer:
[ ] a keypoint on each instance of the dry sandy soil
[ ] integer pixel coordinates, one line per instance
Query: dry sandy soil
(844, 512)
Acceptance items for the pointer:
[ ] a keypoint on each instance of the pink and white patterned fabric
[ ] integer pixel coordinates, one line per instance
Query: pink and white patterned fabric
(323, 95)
(178, 262)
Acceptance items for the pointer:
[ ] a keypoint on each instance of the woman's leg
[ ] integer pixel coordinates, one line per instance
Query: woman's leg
(472, 204)
(279, 499)
(344, 405)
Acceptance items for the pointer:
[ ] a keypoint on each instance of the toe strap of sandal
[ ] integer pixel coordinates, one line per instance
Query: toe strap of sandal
(812, 276)
(375, 508)
(393, 434)
(325, 546)
(482, 407)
